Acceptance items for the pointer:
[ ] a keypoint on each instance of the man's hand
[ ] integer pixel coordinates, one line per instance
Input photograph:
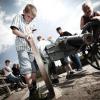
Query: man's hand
(96, 18)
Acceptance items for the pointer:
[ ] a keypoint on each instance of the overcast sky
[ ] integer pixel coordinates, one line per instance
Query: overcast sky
(51, 14)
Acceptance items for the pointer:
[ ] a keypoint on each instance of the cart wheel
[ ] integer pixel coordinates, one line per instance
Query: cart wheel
(92, 55)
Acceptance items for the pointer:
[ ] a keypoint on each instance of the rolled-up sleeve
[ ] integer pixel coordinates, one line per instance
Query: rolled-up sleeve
(15, 22)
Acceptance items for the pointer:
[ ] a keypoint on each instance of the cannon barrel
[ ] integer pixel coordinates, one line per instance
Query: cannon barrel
(67, 45)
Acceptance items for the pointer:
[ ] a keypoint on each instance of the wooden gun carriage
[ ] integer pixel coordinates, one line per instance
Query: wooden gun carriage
(88, 42)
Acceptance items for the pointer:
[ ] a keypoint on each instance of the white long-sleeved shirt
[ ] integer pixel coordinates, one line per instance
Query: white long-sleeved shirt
(42, 44)
(7, 70)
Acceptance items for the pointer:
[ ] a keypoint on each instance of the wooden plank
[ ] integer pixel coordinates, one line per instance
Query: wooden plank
(7, 87)
(3, 85)
(2, 77)
(42, 68)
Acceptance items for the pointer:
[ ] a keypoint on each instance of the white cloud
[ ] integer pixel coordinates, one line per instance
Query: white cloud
(72, 23)
(55, 12)
(96, 4)
(9, 17)
(50, 10)
(6, 36)
(2, 14)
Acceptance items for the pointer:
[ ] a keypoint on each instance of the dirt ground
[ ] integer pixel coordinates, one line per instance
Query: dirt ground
(81, 86)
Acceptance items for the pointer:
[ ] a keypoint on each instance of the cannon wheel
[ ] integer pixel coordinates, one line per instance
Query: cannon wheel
(92, 55)
(42, 68)
(92, 52)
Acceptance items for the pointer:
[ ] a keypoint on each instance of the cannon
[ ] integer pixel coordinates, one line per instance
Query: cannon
(67, 45)
(88, 42)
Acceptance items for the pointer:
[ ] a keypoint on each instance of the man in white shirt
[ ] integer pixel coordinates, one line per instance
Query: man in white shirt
(50, 66)
(42, 43)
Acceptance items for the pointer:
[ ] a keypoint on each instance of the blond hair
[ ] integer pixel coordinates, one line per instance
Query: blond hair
(87, 4)
(29, 8)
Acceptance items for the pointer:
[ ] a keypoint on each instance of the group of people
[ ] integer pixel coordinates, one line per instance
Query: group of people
(42, 43)
(12, 74)
(22, 27)
(49, 65)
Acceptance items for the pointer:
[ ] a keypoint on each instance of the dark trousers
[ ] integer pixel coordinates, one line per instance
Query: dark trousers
(52, 68)
(76, 60)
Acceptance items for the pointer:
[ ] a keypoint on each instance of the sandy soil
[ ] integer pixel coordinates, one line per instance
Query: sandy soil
(81, 86)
